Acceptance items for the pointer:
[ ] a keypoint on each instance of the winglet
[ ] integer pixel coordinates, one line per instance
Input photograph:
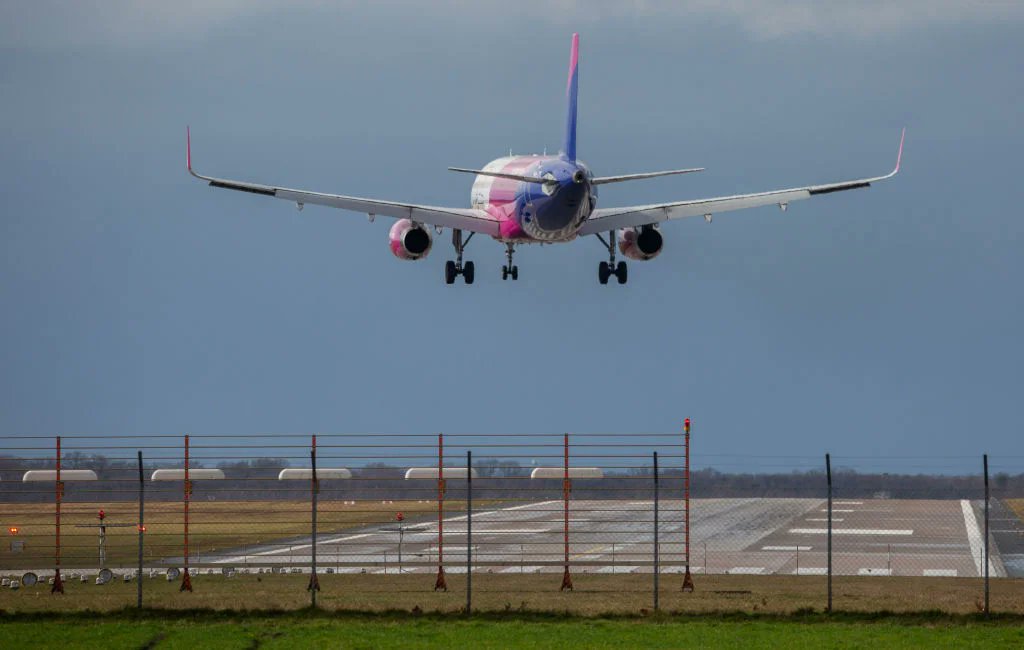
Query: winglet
(899, 154)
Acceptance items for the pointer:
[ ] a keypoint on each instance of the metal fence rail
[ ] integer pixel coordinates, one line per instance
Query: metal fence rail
(550, 509)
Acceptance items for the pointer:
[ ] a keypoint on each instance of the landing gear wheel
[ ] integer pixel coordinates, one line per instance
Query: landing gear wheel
(620, 272)
(504, 273)
(603, 271)
(449, 272)
(515, 272)
(468, 271)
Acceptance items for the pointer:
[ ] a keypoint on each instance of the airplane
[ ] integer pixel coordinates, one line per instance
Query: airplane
(542, 199)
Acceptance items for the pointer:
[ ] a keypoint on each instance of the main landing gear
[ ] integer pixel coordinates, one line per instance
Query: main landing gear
(607, 269)
(457, 268)
(509, 269)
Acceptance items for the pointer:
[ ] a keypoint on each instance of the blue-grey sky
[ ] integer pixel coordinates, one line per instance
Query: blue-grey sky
(884, 322)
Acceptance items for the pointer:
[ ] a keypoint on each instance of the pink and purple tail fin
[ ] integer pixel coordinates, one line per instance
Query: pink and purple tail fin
(571, 91)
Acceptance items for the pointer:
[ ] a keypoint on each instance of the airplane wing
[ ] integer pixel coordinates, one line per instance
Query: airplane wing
(606, 219)
(457, 218)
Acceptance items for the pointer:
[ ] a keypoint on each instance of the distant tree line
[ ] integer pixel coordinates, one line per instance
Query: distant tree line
(498, 479)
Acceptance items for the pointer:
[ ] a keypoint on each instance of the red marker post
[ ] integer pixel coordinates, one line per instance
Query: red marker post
(687, 578)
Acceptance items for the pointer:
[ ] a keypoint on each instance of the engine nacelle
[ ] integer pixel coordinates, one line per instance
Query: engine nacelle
(410, 241)
(642, 243)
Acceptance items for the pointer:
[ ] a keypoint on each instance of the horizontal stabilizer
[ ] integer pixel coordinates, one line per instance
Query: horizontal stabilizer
(514, 177)
(601, 180)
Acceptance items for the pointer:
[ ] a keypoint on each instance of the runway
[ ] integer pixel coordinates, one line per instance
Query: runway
(872, 537)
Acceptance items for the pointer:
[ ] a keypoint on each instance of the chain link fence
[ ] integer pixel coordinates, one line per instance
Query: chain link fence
(563, 522)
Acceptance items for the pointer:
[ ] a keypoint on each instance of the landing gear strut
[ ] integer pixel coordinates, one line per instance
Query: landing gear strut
(457, 268)
(509, 269)
(607, 269)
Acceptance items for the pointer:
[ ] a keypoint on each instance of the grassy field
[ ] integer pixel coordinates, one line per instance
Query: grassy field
(594, 595)
(432, 632)
(212, 525)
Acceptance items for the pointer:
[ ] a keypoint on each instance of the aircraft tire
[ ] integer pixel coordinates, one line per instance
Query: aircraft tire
(468, 272)
(603, 271)
(515, 272)
(449, 272)
(621, 273)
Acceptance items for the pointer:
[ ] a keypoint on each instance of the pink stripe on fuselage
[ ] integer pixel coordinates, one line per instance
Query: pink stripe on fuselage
(501, 200)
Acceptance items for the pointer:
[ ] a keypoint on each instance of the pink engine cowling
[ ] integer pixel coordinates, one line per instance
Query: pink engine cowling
(409, 241)
(640, 243)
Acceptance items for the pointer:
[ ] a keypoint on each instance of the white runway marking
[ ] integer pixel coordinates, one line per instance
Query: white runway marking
(811, 571)
(836, 510)
(785, 548)
(523, 569)
(834, 519)
(944, 573)
(504, 531)
(617, 569)
(874, 572)
(290, 549)
(745, 570)
(512, 509)
(975, 539)
(853, 531)
(847, 503)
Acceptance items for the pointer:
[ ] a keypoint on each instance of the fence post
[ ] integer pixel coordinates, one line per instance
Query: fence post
(186, 580)
(469, 531)
(58, 584)
(566, 488)
(314, 489)
(657, 569)
(828, 475)
(985, 464)
(687, 578)
(142, 530)
(440, 583)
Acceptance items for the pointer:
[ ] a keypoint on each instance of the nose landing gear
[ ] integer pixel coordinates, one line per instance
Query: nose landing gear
(457, 268)
(509, 269)
(607, 269)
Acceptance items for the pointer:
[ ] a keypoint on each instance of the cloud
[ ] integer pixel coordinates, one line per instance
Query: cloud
(55, 24)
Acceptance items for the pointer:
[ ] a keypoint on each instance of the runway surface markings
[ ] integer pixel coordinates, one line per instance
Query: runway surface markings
(874, 572)
(811, 571)
(617, 569)
(837, 510)
(853, 531)
(785, 548)
(940, 573)
(745, 570)
(975, 538)
(834, 519)
(847, 503)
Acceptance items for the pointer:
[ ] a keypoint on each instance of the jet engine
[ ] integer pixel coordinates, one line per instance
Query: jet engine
(409, 240)
(642, 243)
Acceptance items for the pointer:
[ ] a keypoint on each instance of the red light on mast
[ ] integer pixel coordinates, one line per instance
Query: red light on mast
(13, 530)
(399, 517)
(102, 515)
(686, 425)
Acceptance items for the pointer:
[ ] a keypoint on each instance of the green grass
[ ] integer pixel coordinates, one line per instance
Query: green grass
(301, 630)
